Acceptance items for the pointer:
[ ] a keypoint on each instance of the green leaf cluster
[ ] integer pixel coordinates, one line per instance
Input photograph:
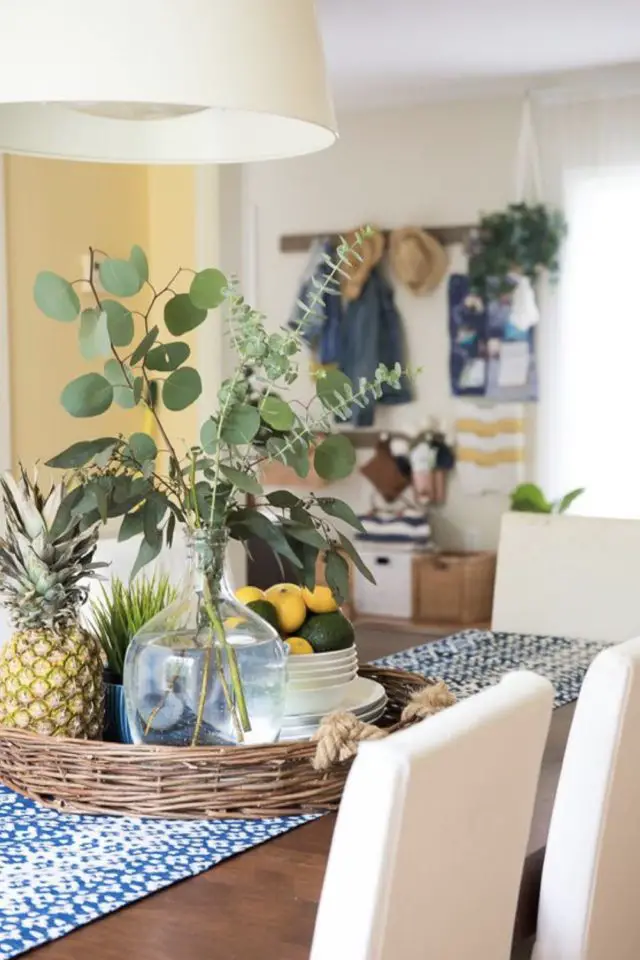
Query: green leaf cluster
(524, 238)
(529, 498)
(150, 482)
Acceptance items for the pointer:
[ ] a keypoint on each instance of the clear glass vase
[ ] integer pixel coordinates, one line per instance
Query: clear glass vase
(206, 670)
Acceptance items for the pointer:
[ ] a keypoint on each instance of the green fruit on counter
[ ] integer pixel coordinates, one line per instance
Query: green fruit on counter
(327, 632)
(265, 610)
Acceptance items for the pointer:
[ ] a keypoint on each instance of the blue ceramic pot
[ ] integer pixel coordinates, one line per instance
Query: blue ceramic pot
(116, 722)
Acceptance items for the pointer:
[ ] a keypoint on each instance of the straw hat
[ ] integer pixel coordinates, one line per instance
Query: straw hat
(417, 259)
(371, 250)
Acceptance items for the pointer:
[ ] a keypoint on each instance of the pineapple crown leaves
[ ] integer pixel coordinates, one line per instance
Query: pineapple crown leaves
(43, 562)
(146, 479)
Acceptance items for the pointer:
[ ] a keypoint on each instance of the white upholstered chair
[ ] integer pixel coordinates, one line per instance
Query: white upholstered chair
(568, 576)
(429, 845)
(591, 876)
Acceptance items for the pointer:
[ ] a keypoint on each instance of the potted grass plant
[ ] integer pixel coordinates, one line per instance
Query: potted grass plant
(116, 615)
(207, 669)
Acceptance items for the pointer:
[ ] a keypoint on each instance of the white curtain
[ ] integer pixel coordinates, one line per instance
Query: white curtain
(587, 424)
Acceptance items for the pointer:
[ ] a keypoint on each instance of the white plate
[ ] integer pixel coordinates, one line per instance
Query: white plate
(358, 697)
(319, 700)
(326, 658)
(318, 666)
(306, 731)
(315, 682)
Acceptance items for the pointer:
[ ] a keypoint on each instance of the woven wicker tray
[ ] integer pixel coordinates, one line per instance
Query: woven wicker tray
(81, 776)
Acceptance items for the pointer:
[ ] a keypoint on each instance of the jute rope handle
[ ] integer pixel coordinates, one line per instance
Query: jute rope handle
(340, 733)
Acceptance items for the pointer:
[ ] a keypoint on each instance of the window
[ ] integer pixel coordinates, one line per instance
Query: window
(596, 423)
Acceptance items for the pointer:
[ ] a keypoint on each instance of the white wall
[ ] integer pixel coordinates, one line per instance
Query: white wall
(440, 164)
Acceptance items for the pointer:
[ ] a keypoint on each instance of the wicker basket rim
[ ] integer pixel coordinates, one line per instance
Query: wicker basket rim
(88, 747)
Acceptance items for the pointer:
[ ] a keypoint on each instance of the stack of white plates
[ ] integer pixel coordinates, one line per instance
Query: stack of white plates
(366, 698)
(317, 681)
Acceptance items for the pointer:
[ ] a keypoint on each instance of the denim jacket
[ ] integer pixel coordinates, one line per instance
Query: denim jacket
(357, 336)
(372, 333)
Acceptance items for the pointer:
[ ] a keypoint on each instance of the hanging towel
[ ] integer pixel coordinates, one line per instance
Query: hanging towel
(490, 443)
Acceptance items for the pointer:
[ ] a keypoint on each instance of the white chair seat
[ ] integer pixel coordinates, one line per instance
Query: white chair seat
(591, 876)
(430, 840)
(564, 576)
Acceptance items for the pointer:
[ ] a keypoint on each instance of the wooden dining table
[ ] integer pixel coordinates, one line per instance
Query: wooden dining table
(261, 904)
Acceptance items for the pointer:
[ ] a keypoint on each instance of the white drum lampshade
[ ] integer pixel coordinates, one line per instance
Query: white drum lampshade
(163, 81)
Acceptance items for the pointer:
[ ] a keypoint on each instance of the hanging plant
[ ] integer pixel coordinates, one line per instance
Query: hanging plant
(522, 240)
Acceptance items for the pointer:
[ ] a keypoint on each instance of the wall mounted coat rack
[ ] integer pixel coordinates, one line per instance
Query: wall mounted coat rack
(300, 242)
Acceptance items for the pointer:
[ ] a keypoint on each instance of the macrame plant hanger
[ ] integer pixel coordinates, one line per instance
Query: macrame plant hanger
(528, 189)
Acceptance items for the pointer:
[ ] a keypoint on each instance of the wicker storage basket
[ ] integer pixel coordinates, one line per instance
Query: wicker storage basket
(453, 588)
(95, 777)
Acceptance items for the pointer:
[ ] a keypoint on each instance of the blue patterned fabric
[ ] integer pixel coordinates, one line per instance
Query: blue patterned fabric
(60, 871)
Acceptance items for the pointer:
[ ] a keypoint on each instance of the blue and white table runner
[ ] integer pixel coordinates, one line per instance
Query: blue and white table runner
(61, 871)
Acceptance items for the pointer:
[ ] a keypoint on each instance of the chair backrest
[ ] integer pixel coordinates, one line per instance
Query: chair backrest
(591, 875)
(568, 576)
(427, 854)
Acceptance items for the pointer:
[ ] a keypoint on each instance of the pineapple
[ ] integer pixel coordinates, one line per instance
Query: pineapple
(51, 669)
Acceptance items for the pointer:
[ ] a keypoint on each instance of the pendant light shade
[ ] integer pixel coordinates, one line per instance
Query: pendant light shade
(163, 81)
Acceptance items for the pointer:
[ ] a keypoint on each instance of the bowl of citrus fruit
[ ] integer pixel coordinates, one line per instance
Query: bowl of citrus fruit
(323, 659)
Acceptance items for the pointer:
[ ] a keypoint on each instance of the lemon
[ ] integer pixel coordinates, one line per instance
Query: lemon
(320, 600)
(298, 645)
(281, 588)
(247, 595)
(291, 610)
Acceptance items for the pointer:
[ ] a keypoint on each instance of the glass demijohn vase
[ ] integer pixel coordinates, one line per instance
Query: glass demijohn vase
(206, 670)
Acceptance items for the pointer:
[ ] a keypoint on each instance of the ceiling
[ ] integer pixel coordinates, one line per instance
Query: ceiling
(389, 52)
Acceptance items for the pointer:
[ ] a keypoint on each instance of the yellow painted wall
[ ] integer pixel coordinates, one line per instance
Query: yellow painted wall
(54, 211)
(171, 204)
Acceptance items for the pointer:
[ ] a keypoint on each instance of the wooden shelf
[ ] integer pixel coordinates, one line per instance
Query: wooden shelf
(300, 242)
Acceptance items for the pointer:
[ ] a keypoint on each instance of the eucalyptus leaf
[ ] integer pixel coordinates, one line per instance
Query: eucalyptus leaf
(309, 557)
(341, 510)
(245, 482)
(241, 424)
(152, 513)
(337, 575)
(143, 447)
(294, 453)
(334, 458)
(94, 334)
(206, 291)
(138, 389)
(181, 388)
(181, 315)
(305, 534)
(146, 554)
(122, 382)
(283, 498)
(79, 454)
(119, 323)
(277, 413)
(56, 297)
(209, 436)
(87, 396)
(120, 278)
(131, 526)
(144, 346)
(138, 259)
(353, 554)
(334, 382)
(261, 527)
(167, 357)
(170, 530)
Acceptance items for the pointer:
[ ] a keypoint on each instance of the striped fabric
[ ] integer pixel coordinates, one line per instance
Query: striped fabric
(412, 529)
(490, 447)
